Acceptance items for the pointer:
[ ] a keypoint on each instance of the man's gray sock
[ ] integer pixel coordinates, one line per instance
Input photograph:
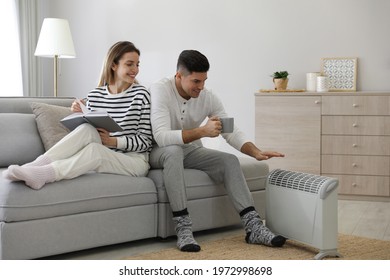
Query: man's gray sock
(258, 233)
(185, 238)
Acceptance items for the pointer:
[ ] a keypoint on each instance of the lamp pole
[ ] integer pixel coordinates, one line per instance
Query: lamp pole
(55, 75)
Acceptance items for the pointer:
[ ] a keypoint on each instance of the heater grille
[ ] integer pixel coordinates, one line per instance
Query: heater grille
(296, 180)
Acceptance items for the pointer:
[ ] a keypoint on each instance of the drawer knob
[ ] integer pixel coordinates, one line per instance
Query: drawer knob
(354, 165)
(317, 102)
(354, 185)
(354, 125)
(355, 105)
(354, 145)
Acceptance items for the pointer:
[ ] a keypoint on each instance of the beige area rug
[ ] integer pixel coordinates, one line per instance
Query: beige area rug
(235, 248)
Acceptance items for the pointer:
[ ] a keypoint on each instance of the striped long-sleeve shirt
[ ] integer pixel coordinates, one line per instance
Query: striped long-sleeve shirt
(131, 110)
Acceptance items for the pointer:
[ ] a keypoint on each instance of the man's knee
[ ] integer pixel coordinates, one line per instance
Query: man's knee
(228, 159)
(171, 154)
(224, 163)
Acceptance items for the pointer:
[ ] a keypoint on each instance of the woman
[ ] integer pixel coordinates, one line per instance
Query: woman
(89, 149)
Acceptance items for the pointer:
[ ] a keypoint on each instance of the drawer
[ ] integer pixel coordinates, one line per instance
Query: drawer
(356, 125)
(356, 105)
(356, 165)
(363, 185)
(355, 145)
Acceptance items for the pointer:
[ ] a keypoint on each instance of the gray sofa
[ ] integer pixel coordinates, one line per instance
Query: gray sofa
(96, 209)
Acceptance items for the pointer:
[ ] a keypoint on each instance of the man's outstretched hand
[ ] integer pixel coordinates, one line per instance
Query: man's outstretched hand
(264, 155)
(251, 150)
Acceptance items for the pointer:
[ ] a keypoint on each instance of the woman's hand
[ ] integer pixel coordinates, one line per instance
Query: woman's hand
(107, 140)
(75, 107)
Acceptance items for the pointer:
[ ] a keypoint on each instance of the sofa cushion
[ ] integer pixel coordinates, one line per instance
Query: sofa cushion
(87, 193)
(19, 138)
(199, 184)
(48, 122)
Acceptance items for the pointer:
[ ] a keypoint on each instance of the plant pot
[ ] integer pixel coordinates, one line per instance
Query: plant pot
(280, 84)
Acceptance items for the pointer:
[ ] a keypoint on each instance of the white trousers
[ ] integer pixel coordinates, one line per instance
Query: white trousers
(82, 151)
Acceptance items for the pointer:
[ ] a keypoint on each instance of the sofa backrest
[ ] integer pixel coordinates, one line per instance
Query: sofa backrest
(20, 141)
(22, 104)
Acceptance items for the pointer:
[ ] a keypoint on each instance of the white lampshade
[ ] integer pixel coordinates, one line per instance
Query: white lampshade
(55, 39)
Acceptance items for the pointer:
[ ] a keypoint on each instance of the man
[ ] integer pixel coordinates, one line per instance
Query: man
(179, 106)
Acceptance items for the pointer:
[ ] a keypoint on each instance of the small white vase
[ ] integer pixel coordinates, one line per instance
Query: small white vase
(311, 81)
(322, 84)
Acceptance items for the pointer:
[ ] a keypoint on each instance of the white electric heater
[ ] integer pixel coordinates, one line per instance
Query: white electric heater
(303, 207)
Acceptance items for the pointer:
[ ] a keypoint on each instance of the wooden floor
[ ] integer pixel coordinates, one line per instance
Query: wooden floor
(361, 218)
(365, 218)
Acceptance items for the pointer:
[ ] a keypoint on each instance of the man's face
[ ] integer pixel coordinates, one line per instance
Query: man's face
(190, 85)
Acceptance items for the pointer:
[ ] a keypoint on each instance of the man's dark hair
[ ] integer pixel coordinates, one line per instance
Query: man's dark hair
(192, 61)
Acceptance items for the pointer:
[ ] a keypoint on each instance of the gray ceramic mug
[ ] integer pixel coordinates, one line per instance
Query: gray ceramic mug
(227, 125)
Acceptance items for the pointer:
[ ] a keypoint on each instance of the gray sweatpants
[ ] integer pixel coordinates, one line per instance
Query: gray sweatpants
(220, 166)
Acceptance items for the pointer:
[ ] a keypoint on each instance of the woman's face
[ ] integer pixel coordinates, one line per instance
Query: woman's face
(127, 68)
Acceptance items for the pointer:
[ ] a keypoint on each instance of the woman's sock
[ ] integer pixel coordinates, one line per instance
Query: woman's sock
(34, 176)
(258, 233)
(7, 174)
(185, 238)
(39, 161)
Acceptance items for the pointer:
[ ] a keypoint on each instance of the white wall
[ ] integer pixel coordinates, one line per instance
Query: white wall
(245, 41)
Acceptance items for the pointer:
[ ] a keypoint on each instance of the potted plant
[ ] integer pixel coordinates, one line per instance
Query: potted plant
(280, 80)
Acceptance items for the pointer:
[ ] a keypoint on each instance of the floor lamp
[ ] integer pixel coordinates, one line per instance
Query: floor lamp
(55, 40)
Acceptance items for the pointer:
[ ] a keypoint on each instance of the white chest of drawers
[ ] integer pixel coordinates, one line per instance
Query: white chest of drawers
(343, 135)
